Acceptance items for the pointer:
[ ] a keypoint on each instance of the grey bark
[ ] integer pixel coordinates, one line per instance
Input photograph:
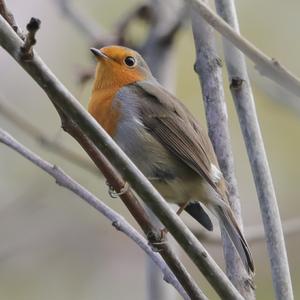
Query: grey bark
(245, 106)
(267, 66)
(208, 67)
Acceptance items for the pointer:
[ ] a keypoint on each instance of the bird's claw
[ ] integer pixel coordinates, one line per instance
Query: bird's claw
(157, 245)
(113, 194)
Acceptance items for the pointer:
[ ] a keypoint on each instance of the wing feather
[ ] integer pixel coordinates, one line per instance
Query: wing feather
(168, 120)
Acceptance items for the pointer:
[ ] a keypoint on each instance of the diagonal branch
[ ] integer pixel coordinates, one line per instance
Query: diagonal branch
(64, 101)
(64, 180)
(9, 17)
(267, 66)
(33, 131)
(90, 29)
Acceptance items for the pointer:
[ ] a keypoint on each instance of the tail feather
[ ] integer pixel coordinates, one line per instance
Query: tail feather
(196, 210)
(227, 219)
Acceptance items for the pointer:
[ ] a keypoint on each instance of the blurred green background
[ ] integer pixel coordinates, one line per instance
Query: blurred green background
(54, 246)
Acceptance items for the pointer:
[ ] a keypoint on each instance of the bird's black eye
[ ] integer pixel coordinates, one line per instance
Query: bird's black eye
(130, 61)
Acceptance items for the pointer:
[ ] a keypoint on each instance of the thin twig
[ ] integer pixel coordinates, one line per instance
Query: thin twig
(65, 101)
(49, 144)
(64, 180)
(91, 30)
(208, 66)
(27, 49)
(267, 66)
(244, 102)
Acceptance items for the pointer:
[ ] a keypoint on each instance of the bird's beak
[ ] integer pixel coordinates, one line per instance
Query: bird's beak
(99, 54)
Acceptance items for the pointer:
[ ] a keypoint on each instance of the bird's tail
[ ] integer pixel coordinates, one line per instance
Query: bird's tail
(228, 221)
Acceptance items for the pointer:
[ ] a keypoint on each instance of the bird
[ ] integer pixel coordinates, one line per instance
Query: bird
(163, 139)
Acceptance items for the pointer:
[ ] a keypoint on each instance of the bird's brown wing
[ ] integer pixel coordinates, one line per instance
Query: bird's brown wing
(172, 124)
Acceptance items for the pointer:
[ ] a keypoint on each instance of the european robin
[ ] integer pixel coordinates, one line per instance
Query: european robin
(162, 138)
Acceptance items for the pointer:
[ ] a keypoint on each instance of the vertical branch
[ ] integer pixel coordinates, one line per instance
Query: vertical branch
(267, 66)
(208, 67)
(245, 106)
(168, 16)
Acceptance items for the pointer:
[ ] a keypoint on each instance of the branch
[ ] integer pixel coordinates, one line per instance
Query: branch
(91, 30)
(9, 17)
(208, 67)
(277, 93)
(254, 234)
(97, 35)
(64, 101)
(142, 11)
(27, 127)
(157, 48)
(64, 180)
(267, 66)
(244, 102)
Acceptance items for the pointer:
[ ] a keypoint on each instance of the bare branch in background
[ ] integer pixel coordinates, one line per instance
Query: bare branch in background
(167, 19)
(276, 93)
(244, 102)
(9, 17)
(66, 103)
(64, 180)
(254, 234)
(97, 36)
(208, 67)
(91, 30)
(143, 11)
(267, 66)
(49, 144)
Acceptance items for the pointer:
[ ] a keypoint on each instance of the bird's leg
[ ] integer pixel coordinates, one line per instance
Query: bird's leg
(164, 231)
(113, 193)
(182, 207)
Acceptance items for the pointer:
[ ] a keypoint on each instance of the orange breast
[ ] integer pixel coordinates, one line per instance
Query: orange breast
(100, 107)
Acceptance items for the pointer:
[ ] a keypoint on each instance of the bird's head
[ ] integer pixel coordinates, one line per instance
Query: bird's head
(118, 66)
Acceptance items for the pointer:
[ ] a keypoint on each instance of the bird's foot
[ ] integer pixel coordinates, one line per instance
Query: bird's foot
(157, 246)
(112, 193)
